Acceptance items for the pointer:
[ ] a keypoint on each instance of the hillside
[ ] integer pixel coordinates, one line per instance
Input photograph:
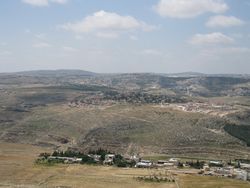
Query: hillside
(202, 116)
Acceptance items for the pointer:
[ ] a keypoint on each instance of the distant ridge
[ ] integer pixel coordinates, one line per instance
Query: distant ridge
(187, 74)
(197, 74)
(56, 73)
(77, 72)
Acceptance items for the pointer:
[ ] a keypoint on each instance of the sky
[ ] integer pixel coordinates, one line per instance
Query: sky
(123, 36)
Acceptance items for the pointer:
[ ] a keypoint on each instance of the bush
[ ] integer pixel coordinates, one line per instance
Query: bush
(122, 164)
(155, 179)
(119, 161)
(197, 164)
(45, 155)
(87, 160)
(180, 165)
(101, 152)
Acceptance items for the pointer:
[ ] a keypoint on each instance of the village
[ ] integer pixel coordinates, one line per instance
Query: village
(89, 100)
(237, 169)
(203, 107)
(112, 98)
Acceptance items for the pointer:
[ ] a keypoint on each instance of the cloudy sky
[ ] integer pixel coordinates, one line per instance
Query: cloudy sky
(166, 36)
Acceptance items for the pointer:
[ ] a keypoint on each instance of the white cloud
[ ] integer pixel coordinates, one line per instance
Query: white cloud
(37, 2)
(108, 35)
(151, 52)
(41, 45)
(107, 24)
(224, 21)
(211, 38)
(42, 3)
(59, 1)
(189, 8)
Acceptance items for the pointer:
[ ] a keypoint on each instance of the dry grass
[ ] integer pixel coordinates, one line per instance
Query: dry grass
(188, 181)
(18, 170)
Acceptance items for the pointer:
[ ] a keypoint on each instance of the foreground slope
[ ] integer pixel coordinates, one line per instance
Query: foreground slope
(17, 169)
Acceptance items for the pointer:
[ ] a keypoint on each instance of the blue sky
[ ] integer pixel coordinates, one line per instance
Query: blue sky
(166, 36)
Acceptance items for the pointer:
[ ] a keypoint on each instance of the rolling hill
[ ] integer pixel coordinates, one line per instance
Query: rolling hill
(129, 113)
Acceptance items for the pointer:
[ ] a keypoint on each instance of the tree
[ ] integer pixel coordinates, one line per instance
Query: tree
(87, 160)
(45, 155)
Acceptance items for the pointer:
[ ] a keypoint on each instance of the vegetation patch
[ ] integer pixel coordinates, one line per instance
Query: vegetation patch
(93, 157)
(158, 177)
(241, 132)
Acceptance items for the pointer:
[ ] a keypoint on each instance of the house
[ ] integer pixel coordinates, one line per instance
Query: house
(163, 163)
(216, 163)
(206, 167)
(130, 158)
(245, 166)
(135, 158)
(109, 159)
(186, 165)
(67, 159)
(96, 158)
(78, 160)
(174, 160)
(241, 174)
(144, 164)
(225, 171)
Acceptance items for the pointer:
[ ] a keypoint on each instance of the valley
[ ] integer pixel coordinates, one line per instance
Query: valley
(127, 113)
(149, 115)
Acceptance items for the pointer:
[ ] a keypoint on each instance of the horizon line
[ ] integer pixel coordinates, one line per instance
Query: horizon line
(173, 73)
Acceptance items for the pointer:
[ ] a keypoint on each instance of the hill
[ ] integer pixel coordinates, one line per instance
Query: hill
(201, 116)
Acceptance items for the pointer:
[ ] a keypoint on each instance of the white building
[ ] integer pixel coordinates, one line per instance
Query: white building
(241, 174)
(245, 166)
(144, 164)
(109, 159)
(95, 157)
(162, 163)
(67, 159)
(173, 160)
(216, 163)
